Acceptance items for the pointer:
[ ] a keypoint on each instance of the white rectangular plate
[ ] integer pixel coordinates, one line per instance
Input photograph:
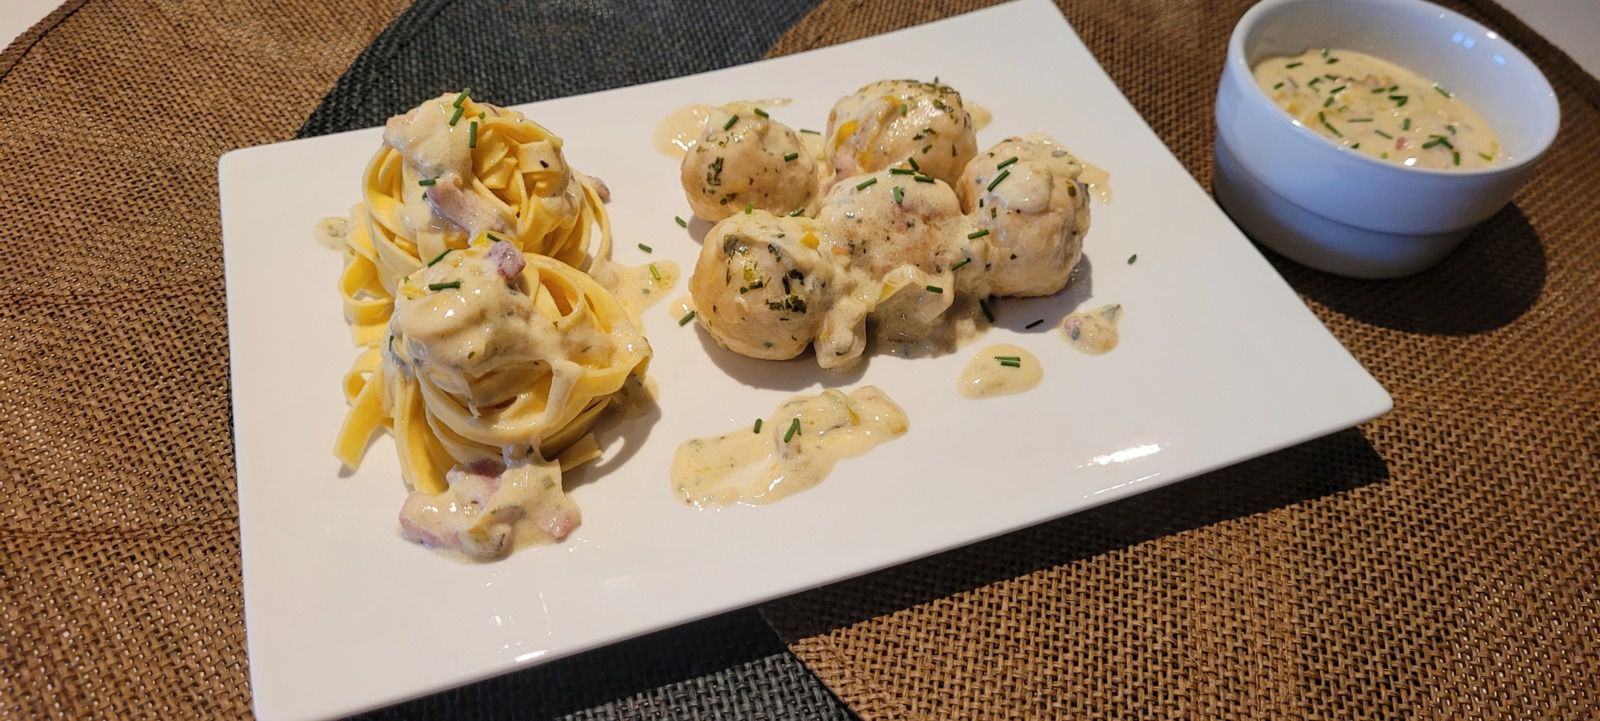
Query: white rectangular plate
(1219, 362)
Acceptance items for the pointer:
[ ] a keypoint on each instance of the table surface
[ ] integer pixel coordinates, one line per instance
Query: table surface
(1573, 25)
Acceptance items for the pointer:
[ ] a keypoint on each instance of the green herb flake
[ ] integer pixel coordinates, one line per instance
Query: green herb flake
(1386, 135)
(810, 131)
(680, 221)
(439, 257)
(1442, 91)
(1456, 155)
(1133, 259)
(790, 157)
(1008, 363)
(472, 135)
(656, 274)
(762, 113)
(869, 182)
(1485, 156)
(1034, 324)
(998, 179)
(731, 121)
(1400, 100)
(902, 171)
(797, 212)
(1358, 120)
(959, 266)
(913, 162)
(646, 248)
(452, 285)
(1405, 124)
(1327, 102)
(1338, 89)
(1008, 162)
(1278, 86)
(757, 427)
(794, 427)
(899, 195)
(1294, 65)
(461, 98)
(749, 208)
(425, 182)
(933, 289)
(983, 305)
(976, 234)
(457, 115)
(686, 318)
(922, 178)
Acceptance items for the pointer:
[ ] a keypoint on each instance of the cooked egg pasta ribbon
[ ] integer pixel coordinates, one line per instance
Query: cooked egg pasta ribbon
(452, 168)
(491, 353)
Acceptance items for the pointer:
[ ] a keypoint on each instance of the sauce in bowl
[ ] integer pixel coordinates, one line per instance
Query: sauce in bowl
(1379, 109)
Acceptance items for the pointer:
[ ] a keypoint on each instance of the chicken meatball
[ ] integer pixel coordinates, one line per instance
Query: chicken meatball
(1026, 194)
(760, 287)
(891, 122)
(746, 158)
(887, 220)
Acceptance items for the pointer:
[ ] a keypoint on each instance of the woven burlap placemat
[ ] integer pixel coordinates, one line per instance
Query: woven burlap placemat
(1440, 562)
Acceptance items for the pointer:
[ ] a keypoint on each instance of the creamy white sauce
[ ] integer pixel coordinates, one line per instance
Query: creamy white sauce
(676, 133)
(981, 116)
(1098, 180)
(330, 232)
(487, 512)
(991, 373)
(795, 449)
(1379, 109)
(638, 287)
(1093, 331)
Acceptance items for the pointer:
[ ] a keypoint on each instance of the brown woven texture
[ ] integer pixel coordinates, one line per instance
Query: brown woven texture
(1440, 562)
(119, 551)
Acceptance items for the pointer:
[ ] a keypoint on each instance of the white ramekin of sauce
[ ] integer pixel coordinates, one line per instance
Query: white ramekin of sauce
(1367, 137)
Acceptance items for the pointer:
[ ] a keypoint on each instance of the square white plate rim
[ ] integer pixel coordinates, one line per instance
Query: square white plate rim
(311, 541)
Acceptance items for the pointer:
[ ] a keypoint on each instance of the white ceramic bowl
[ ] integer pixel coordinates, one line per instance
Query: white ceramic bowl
(1343, 212)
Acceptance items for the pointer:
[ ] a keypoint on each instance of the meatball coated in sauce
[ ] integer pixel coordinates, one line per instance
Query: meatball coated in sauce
(1036, 215)
(760, 287)
(743, 158)
(880, 229)
(890, 122)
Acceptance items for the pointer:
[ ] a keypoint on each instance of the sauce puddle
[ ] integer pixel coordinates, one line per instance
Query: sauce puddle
(1093, 331)
(1000, 370)
(793, 449)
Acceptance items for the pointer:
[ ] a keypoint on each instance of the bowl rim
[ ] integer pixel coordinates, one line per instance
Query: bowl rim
(1241, 72)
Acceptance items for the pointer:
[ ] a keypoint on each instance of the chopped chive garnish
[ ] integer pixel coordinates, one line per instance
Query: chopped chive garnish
(1279, 85)
(686, 318)
(929, 147)
(1386, 135)
(493, 238)
(1456, 155)
(1294, 65)
(427, 181)
(1011, 363)
(1380, 91)
(913, 163)
(762, 113)
(794, 427)
(998, 179)
(1438, 140)
(869, 182)
(899, 195)
(439, 257)
(922, 178)
(1034, 324)
(1400, 100)
(1006, 163)
(749, 208)
(1133, 258)
(934, 289)
(1008, 357)
(1335, 90)
(958, 266)
(902, 171)
(1442, 91)
(790, 157)
(1485, 156)
(452, 285)
(457, 115)
(1451, 128)
(1332, 60)
(731, 121)
(1327, 102)
(796, 212)
(1384, 155)
(983, 305)
(976, 234)
(472, 135)
(757, 428)
(646, 248)
(1405, 124)
(1313, 83)
(465, 92)
(808, 130)
(1355, 146)
(654, 273)
(681, 222)
(1324, 120)
(1358, 120)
